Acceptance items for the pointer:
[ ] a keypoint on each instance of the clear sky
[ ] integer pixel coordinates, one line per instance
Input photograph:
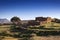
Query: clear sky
(29, 9)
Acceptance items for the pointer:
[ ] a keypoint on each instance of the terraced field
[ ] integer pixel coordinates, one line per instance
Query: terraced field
(4, 28)
(33, 37)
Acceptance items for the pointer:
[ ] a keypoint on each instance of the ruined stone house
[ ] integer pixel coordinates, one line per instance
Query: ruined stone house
(43, 20)
(56, 20)
(33, 22)
(40, 21)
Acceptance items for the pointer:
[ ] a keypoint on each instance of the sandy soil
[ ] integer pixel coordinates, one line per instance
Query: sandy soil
(46, 38)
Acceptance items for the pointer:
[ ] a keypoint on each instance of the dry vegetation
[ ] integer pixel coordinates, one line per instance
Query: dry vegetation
(19, 31)
(34, 37)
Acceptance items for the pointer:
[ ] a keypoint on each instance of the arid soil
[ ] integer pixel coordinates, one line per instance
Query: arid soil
(46, 38)
(37, 38)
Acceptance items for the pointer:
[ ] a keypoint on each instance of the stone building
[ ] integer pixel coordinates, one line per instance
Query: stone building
(56, 20)
(40, 21)
(43, 20)
(33, 22)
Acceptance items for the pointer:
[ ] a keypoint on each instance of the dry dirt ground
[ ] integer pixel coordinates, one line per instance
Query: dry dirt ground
(36, 38)
(46, 38)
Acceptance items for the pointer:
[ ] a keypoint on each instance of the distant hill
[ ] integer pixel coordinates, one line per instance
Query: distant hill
(4, 21)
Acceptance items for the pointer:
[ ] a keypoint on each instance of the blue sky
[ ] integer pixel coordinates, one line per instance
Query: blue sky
(29, 9)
